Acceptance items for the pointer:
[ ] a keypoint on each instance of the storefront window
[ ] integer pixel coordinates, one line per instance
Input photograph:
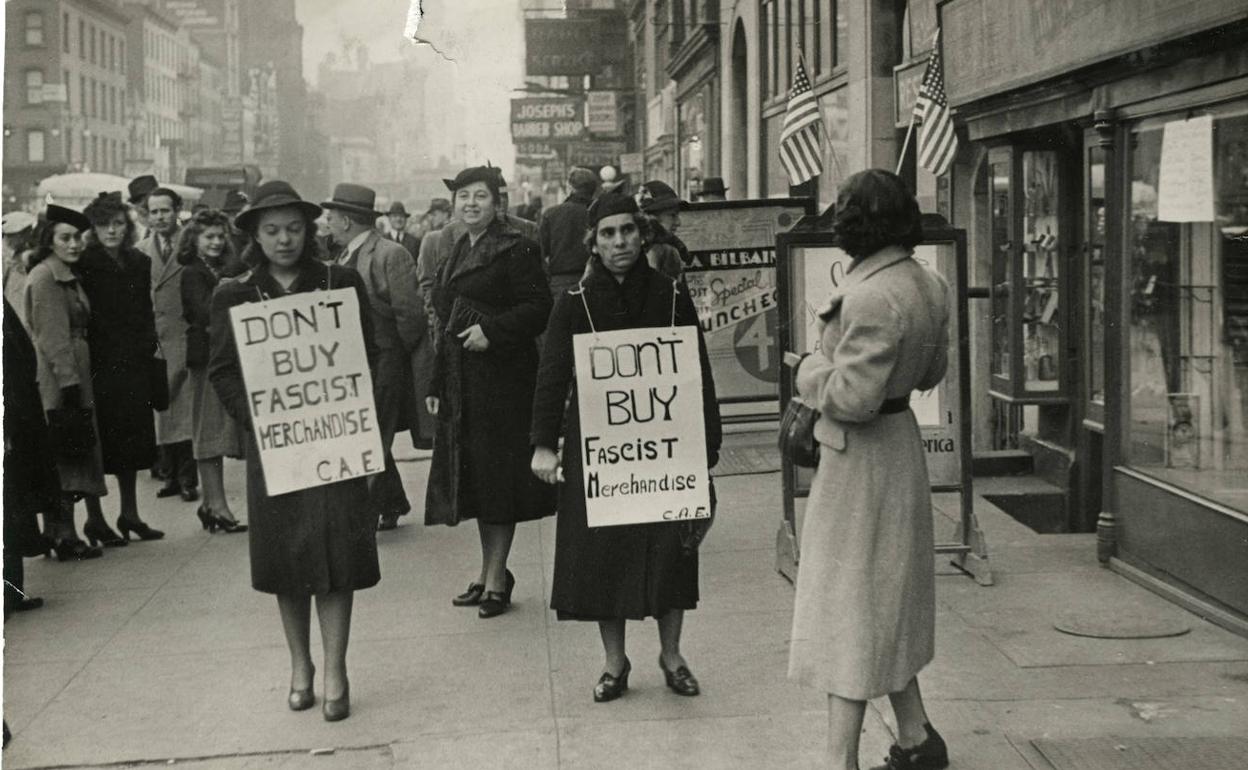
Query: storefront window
(1000, 182)
(1041, 297)
(1188, 305)
(1094, 253)
(693, 143)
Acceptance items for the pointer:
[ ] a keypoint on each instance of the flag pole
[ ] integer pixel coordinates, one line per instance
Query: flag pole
(901, 158)
(823, 127)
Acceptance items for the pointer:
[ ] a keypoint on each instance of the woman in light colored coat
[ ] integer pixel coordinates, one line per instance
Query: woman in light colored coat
(864, 614)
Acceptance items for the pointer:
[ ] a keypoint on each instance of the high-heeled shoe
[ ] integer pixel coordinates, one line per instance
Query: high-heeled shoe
(931, 754)
(471, 597)
(205, 518)
(339, 708)
(611, 686)
(228, 526)
(302, 700)
(141, 529)
(495, 603)
(75, 549)
(681, 681)
(97, 533)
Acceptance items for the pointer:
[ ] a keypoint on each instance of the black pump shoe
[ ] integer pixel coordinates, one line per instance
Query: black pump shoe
(610, 686)
(471, 597)
(98, 533)
(75, 549)
(681, 681)
(141, 529)
(495, 603)
(931, 754)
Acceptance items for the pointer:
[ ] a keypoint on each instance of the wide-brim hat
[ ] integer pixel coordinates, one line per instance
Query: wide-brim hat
(397, 208)
(15, 222)
(656, 196)
(56, 214)
(440, 204)
(235, 201)
(274, 195)
(355, 198)
(712, 185)
(140, 186)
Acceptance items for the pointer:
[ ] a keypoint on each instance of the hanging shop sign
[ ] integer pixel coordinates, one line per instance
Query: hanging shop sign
(589, 45)
(595, 154)
(309, 389)
(602, 112)
(1185, 179)
(536, 151)
(732, 281)
(547, 119)
(632, 163)
(643, 443)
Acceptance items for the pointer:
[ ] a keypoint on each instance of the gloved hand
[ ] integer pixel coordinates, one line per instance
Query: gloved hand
(71, 397)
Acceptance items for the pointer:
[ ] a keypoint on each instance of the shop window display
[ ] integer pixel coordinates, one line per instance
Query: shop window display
(1188, 312)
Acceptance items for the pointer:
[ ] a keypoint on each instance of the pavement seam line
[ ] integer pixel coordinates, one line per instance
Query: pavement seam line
(550, 656)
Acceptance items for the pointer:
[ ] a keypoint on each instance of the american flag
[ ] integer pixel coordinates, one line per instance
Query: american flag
(937, 141)
(799, 140)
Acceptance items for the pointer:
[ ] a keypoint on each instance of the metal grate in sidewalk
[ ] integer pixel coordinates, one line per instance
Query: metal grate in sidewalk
(751, 458)
(1109, 753)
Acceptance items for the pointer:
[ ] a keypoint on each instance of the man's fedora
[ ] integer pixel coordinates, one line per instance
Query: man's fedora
(712, 185)
(397, 208)
(353, 198)
(140, 186)
(274, 195)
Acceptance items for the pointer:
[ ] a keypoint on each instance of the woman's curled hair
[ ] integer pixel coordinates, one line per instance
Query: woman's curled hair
(106, 207)
(874, 210)
(185, 249)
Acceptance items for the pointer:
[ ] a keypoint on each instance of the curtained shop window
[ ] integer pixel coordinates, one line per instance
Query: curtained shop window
(1187, 301)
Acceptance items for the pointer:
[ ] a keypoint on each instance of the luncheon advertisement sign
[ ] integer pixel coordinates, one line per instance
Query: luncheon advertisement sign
(643, 444)
(732, 281)
(309, 389)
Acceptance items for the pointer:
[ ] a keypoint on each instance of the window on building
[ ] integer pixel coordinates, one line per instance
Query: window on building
(34, 28)
(839, 21)
(65, 32)
(662, 41)
(91, 35)
(34, 86)
(1188, 307)
(814, 54)
(82, 94)
(82, 40)
(35, 150)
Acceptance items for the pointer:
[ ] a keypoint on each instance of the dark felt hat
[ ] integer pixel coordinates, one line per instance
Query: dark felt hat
(235, 201)
(274, 195)
(56, 214)
(712, 185)
(610, 204)
(656, 196)
(355, 198)
(397, 208)
(140, 186)
(440, 204)
(492, 177)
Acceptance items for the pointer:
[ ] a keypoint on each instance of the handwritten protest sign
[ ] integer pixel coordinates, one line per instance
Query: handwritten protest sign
(643, 443)
(309, 389)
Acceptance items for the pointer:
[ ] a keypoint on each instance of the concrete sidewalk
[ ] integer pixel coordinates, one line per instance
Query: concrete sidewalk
(161, 651)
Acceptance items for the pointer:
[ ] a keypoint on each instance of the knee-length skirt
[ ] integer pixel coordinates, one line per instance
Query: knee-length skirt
(215, 434)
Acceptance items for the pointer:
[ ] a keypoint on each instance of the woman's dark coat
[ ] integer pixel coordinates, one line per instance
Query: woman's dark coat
(633, 571)
(122, 340)
(481, 453)
(30, 482)
(313, 541)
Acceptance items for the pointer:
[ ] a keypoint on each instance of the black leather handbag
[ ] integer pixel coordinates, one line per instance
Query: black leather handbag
(158, 384)
(797, 434)
(71, 432)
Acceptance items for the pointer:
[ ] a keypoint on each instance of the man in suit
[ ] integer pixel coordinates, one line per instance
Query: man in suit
(138, 190)
(396, 229)
(399, 326)
(561, 232)
(174, 425)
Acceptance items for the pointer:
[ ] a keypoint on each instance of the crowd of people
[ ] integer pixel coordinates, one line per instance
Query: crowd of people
(120, 357)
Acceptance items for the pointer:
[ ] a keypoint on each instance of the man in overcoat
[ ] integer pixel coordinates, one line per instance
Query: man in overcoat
(435, 249)
(399, 326)
(396, 228)
(174, 426)
(561, 233)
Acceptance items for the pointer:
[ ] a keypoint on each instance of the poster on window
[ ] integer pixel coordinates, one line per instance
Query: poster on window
(732, 281)
(309, 389)
(643, 442)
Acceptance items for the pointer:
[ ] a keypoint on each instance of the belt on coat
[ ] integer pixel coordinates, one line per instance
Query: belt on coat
(895, 405)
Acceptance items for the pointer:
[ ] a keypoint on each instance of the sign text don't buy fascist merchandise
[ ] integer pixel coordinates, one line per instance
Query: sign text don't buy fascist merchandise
(309, 389)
